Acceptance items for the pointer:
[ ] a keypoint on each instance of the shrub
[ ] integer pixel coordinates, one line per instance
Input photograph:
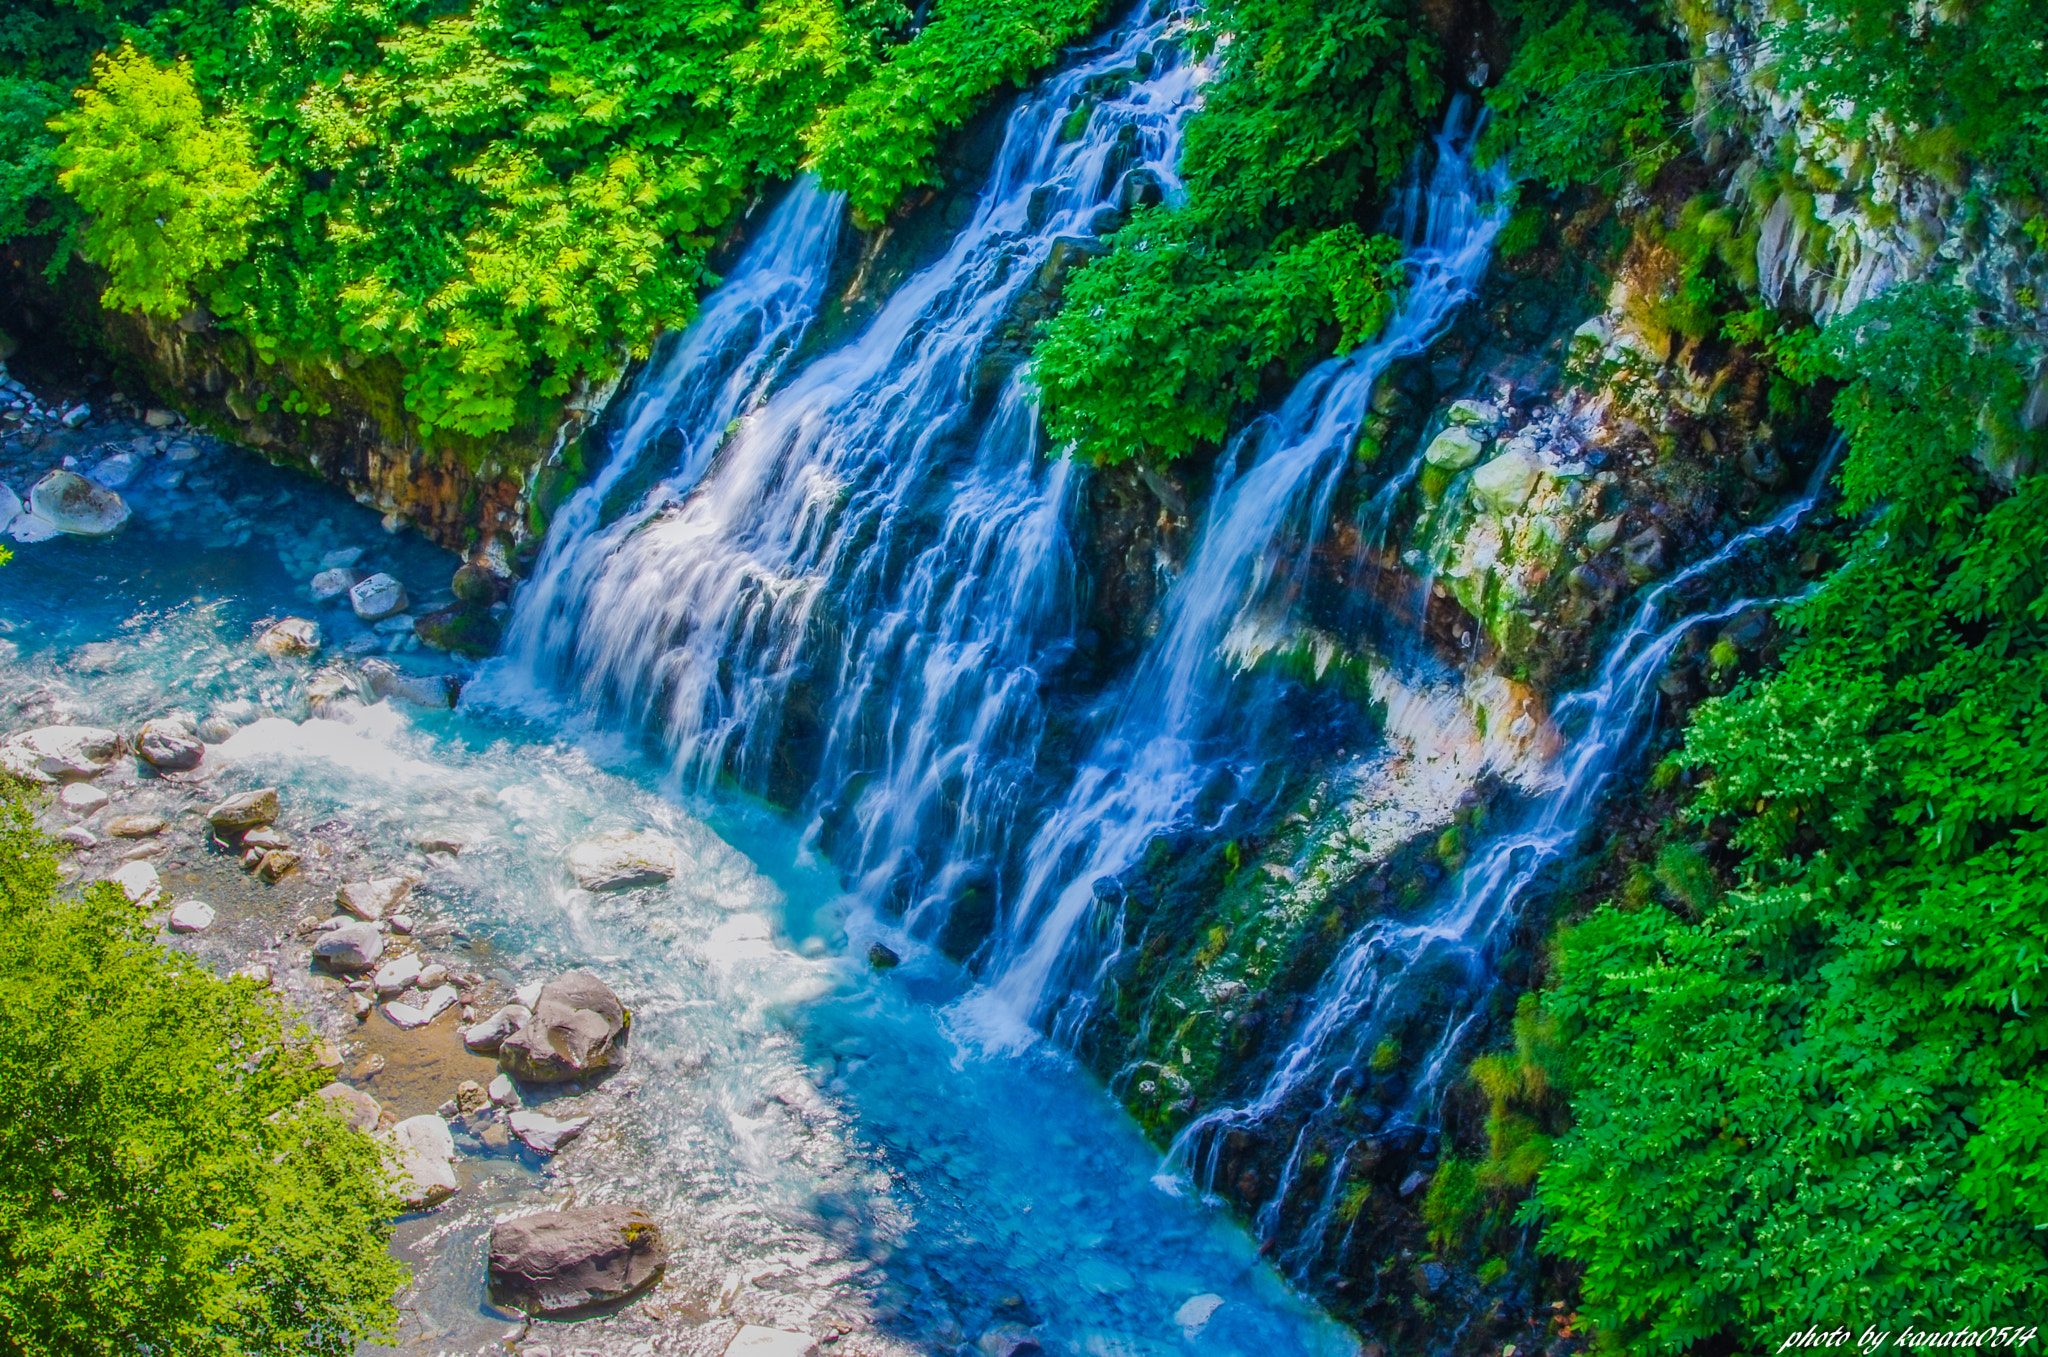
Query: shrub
(167, 1182)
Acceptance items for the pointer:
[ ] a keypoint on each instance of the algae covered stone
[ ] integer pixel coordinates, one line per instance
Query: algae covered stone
(1455, 448)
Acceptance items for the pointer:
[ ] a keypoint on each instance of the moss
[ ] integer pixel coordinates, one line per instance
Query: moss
(1452, 1206)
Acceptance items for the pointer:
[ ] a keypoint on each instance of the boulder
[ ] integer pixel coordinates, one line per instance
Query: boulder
(372, 900)
(71, 503)
(343, 558)
(117, 471)
(1504, 484)
(60, 753)
(358, 1108)
(139, 882)
(465, 628)
(1196, 1312)
(241, 813)
(396, 976)
(1476, 414)
(1455, 448)
(330, 585)
(573, 1032)
(470, 1097)
(476, 583)
(427, 1008)
(266, 838)
(135, 826)
(426, 690)
(78, 838)
(82, 798)
(292, 638)
(621, 859)
(544, 1134)
(169, 746)
(755, 1341)
(377, 597)
(191, 916)
(557, 1261)
(423, 1161)
(433, 976)
(503, 1091)
(351, 947)
(1601, 535)
(883, 957)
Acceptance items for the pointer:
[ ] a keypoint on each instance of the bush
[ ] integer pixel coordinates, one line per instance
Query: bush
(167, 1182)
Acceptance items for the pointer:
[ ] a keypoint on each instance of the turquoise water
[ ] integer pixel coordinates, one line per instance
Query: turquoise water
(825, 1157)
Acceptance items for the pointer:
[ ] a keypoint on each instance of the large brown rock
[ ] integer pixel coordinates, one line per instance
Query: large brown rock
(574, 1031)
(559, 1261)
(239, 814)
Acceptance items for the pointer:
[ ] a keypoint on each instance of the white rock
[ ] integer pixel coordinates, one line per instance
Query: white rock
(372, 899)
(1194, 1315)
(620, 859)
(76, 416)
(169, 745)
(330, 585)
(52, 753)
(139, 882)
(350, 946)
(488, 1035)
(433, 977)
(504, 1092)
(157, 418)
(70, 503)
(76, 837)
(394, 977)
(342, 559)
(192, 916)
(82, 798)
(423, 1160)
(377, 597)
(425, 1010)
(257, 971)
(1504, 484)
(426, 690)
(291, 637)
(528, 994)
(543, 1134)
(756, 1341)
(10, 507)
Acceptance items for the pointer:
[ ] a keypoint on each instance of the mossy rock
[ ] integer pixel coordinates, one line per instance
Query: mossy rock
(464, 629)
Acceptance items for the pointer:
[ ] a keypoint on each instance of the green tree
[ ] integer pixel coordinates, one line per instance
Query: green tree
(167, 1182)
(171, 191)
(1828, 1098)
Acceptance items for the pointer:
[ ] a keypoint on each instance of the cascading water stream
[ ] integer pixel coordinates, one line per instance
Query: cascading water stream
(1604, 726)
(700, 380)
(856, 596)
(1186, 721)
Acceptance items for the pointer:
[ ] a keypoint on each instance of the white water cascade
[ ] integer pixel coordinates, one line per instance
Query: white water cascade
(1375, 978)
(1186, 720)
(851, 594)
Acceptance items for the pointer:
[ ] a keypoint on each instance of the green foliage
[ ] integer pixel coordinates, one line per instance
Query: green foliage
(1452, 1205)
(1588, 99)
(1971, 78)
(1826, 1096)
(1117, 383)
(171, 191)
(1263, 268)
(882, 139)
(167, 1183)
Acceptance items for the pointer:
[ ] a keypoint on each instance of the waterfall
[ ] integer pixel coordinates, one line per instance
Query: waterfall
(848, 600)
(1604, 726)
(1189, 719)
(698, 382)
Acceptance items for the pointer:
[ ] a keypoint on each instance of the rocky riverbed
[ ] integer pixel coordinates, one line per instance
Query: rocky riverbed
(549, 985)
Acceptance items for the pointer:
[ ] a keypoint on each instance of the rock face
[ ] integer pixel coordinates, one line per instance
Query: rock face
(621, 859)
(560, 1261)
(169, 746)
(350, 948)
(60, 753)
(423, 1161)
(70, 503)
(574, 1031)
(239, 814)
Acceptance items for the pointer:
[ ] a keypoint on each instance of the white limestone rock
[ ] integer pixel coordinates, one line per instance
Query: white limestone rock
(191, 916)
(70, 503)
(422, 1154)
(621, 859)
(377, 597)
